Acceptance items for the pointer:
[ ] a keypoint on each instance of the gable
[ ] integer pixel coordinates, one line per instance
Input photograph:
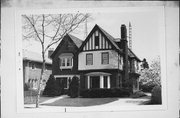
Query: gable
(98, 39)
(69, 43)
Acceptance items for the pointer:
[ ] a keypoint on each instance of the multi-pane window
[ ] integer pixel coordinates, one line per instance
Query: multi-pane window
(66, 61)
(62, 61)
(69, 61)
(105, 58)
(89, 59)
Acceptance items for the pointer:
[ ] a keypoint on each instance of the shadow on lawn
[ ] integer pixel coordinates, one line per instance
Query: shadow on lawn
(81, 102)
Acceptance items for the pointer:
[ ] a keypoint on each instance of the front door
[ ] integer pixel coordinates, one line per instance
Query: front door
(95, 81)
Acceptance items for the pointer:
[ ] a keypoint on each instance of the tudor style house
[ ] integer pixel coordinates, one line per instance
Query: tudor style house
(65, 60)
(100, 61)
(106, 62)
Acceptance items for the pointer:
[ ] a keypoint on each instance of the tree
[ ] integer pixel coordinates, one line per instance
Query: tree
(145, 64)
(51, 88)
(48, 29)
(73, 91)
(151, 76)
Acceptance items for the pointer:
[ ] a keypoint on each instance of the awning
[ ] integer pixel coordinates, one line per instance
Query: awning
(97, 74)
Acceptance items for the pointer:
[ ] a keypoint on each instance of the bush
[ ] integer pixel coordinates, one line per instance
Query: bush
(101, 93)
(73, 91)
(156, 95)
(138, 94)
(51, 88)
(26, 87)
(147, 87)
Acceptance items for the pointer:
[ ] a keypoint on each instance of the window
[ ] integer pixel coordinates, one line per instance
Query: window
(105, 58)
(32, 65)
(105, 82)
(89, 59)
(62, 62)
(69, 61)
(66, 61)
(96, 41)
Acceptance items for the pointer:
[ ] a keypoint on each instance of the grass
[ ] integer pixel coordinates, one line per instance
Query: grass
(30, 97)
(79, 102)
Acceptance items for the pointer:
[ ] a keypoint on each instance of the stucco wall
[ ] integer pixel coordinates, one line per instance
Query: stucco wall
(113, 60)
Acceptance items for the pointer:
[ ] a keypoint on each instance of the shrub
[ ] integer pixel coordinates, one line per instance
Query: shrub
(138, 94)
(147, 87)
(51, 88)
(26, 87)
(101, 93)
(156, 95)
(74, 87)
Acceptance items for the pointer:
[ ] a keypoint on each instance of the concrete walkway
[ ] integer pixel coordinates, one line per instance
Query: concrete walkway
(54, 99)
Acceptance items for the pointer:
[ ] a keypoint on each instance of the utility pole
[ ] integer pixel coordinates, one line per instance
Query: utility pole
(85, 29)
(130, 36)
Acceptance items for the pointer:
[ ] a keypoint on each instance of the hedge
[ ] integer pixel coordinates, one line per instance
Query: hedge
(102, 93)
(156, 95)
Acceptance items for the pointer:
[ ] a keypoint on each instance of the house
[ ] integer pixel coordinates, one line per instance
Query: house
(106, 62)
(65, 60)
(100, 61)
(32, 64)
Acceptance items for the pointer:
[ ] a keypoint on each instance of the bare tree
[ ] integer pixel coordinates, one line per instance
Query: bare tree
(48, 29)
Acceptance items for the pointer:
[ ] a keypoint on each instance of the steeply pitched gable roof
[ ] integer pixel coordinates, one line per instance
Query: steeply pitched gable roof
(75, 40)
(107, 35)
(111, 38)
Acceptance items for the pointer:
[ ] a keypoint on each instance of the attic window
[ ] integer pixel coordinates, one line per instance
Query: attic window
(96, 41)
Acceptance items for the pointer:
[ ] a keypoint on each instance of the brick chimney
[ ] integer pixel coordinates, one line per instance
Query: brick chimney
(125, 53)
(50, 51)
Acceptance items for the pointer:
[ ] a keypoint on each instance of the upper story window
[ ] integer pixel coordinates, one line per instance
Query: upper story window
(89, 59)
(66, 61)
(32, 65)
(96, 41)
(105, 58)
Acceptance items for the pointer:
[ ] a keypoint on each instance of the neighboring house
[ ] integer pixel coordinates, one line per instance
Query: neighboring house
(101, 61)
(32, 64)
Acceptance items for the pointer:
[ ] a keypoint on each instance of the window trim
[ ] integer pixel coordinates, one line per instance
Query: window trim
(66, 60)
(102, 58)
(87, 60)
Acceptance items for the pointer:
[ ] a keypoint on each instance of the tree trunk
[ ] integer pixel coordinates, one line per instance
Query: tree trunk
(40, 81)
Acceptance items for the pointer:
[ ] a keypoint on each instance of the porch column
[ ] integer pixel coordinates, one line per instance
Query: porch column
(101, 81)
(137, 84)
(88, 82)
(108, 81)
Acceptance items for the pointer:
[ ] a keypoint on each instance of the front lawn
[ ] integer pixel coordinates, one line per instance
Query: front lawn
(81, 102)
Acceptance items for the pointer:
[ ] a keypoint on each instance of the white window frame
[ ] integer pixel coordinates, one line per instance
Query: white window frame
(65, 58)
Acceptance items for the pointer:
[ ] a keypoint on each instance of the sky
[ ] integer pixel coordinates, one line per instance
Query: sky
(146, 30)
